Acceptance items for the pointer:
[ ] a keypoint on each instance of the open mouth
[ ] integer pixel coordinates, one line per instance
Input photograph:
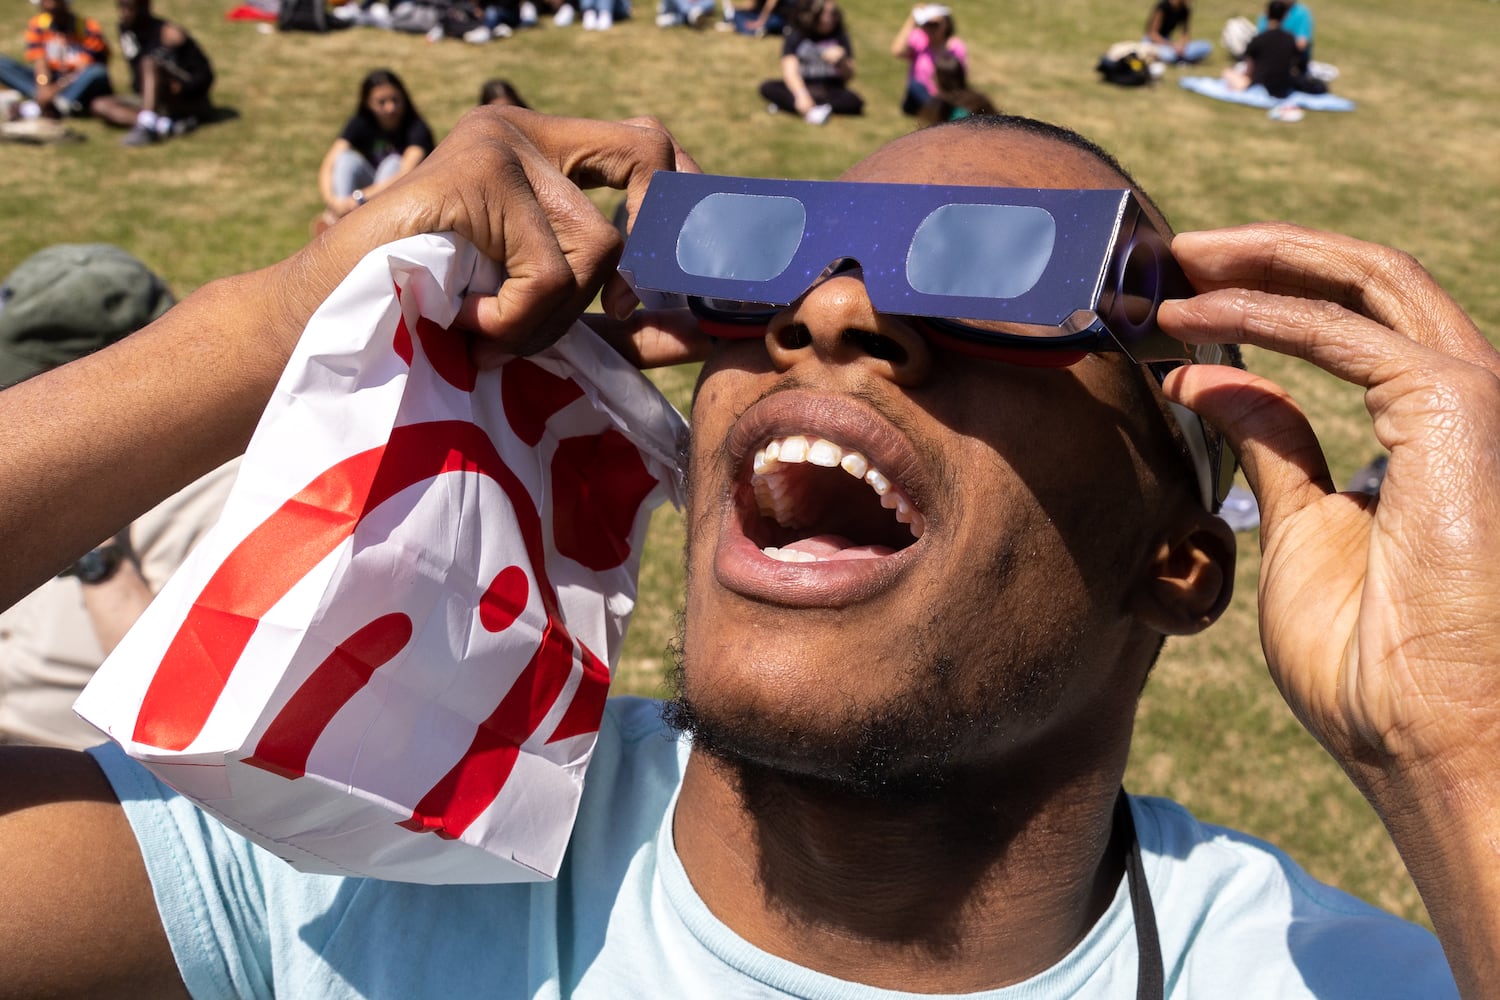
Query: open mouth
(817, 501)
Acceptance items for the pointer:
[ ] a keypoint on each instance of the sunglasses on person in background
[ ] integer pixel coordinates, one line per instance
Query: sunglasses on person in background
(1029, 276)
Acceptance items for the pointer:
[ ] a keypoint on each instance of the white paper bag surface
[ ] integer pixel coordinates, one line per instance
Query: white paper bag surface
(389, 656)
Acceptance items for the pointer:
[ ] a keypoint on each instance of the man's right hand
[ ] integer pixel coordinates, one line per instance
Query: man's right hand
(509, 181)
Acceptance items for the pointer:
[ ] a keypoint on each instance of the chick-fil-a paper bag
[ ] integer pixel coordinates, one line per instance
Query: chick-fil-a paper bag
(390, 656)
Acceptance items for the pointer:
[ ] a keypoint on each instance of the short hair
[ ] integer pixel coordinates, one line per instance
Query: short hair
(1276, 10)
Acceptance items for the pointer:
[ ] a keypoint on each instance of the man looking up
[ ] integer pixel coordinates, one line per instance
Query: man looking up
(905, 768)
(169, 74)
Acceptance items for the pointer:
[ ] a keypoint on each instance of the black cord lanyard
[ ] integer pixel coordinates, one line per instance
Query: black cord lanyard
(1150, 983)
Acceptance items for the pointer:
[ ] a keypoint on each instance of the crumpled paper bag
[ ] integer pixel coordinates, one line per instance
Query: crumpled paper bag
(389, 656)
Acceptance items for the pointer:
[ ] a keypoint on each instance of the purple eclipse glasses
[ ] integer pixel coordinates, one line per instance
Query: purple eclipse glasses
(1028, 275)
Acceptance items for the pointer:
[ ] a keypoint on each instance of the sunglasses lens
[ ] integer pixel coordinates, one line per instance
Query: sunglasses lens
(981, 251)
(742, 237)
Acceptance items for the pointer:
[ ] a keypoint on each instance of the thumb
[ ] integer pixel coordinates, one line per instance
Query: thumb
(1268, 431)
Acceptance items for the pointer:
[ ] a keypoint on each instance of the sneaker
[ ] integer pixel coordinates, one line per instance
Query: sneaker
(138, 136)
(182, 126)
(666, 19)
(606, 20)
(773, 109)
(563, 17)
(435, 33)
(500, 31)
(477, 36)
(1287, 112)
(819, 114)
(527, 12)
(1327, 72)
(590, 20)
(699, 17)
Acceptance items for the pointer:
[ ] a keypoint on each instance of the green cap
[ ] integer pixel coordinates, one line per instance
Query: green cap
(69, 300)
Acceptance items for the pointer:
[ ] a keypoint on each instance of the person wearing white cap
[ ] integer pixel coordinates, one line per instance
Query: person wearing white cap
(927, 31)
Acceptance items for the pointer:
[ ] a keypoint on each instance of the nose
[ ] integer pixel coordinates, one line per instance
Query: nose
(835, 323)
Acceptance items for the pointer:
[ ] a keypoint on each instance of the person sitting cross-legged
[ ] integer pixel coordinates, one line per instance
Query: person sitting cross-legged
(66, 64)
(169, 73)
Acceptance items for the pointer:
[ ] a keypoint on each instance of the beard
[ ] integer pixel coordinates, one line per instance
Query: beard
(913, 748)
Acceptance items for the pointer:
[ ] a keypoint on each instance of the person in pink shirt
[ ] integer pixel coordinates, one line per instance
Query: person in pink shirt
(928, 30)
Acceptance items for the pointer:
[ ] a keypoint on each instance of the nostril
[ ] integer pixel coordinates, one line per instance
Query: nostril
(877, 346)
(792, 337)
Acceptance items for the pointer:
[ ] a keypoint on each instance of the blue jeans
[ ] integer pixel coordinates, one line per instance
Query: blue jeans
(1197, 50)
(775, 24)
(351, 170)
(915, 97)
(73, 99)
(688, 10)
(618, 9)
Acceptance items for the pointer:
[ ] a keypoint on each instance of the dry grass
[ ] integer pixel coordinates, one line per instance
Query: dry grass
(1416, 166)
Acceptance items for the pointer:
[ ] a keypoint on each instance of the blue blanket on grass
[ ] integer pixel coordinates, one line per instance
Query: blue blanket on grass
(1257, 97)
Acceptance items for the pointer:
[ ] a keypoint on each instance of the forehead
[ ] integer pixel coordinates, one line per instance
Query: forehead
(983, 157)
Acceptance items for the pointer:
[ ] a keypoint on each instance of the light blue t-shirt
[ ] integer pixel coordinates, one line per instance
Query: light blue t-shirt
(1298, 23)
(1236, 917)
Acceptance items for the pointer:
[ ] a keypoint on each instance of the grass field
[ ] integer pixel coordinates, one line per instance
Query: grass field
(1416, 166)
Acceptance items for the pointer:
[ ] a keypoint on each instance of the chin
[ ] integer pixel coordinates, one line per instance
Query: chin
(936, 724)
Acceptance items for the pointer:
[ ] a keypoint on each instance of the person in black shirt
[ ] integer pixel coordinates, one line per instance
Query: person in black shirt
(817, 63)
(1174, 17)
(169, 74)
(1273, 59)
(384, 140)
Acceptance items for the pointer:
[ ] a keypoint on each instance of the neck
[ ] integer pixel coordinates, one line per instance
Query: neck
(990, 883)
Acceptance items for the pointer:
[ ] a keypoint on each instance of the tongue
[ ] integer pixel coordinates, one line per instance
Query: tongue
(834, 547)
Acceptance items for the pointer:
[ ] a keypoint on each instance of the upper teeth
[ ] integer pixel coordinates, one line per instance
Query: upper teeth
(773, 493)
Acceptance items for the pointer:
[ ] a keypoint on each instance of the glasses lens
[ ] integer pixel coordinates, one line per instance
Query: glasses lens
(743, 237)
(1140, 284)
(709, 306)
(981, 251)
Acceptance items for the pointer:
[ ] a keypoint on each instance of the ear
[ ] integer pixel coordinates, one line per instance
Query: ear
(1190, 576)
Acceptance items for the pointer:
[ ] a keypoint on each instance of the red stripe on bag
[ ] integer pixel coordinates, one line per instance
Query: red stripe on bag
(284, 747)
(279, 552)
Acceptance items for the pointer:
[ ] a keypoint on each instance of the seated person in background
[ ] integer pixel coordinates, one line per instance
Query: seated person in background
(59, 304)
(897, 763)
(694, 13)
(927, 32)
(817, 63)
(1273, 60)
(601, 15)
(953, 99)
(168, 72)
(65, 67)
(769, 17)
(502, 17)
(1298, 22)
(1171, 17)
(385, 139)
(501, 92)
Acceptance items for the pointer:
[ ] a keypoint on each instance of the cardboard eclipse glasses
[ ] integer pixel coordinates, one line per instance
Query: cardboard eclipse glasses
(1067, 272)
